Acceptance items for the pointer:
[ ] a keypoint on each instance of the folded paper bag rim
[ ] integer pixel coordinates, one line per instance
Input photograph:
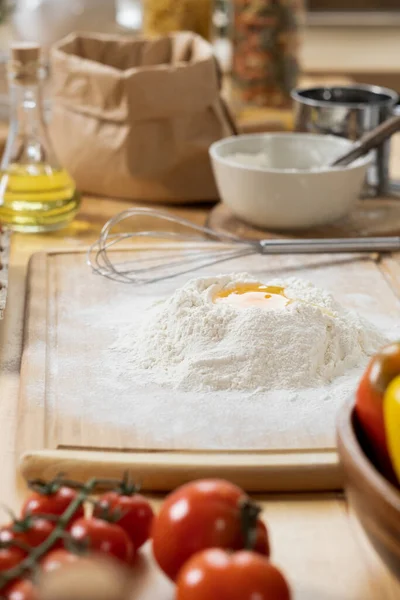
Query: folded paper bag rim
(88, 86)
(135, 118)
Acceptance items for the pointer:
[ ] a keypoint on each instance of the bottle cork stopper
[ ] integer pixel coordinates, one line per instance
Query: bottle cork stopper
(25, 52)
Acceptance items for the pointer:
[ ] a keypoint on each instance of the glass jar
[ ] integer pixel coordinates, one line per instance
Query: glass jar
(164, 16)
(265, 51)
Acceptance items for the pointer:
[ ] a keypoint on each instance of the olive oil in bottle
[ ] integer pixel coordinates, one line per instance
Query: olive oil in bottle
(36, 194)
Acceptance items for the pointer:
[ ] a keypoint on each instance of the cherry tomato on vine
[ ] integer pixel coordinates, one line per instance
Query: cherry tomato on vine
(10, 556)
(382, 368)
(58, 558)
(30, 531)
(215, 574)
(203, 514)
(136, 513)
(104, 538)
(51, 499)
(22, 589)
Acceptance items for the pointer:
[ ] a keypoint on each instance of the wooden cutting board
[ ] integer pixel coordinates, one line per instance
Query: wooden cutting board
(76, 419)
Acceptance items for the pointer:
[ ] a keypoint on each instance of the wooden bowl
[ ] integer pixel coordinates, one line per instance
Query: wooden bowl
(375, 500)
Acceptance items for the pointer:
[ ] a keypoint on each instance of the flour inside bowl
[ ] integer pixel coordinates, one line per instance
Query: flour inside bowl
(193, 342)
(263, 160)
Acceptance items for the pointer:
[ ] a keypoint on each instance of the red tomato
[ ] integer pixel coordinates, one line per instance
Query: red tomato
(199, 515)
(29, 531)
(52, 503)
(22, 589)
(383, 367)
(58, 558)
(136, 514)
(106, 538)
(10, 556)
(215, 574)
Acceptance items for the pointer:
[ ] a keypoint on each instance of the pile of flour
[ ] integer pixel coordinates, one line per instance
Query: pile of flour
(190, 343)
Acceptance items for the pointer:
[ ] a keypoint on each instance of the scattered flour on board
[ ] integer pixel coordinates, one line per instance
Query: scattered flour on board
(104, 383)
(189, 343)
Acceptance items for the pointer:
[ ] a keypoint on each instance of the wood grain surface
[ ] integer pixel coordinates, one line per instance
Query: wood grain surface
(315, 538)
(372, 217)
(375, 500)
(59, 431)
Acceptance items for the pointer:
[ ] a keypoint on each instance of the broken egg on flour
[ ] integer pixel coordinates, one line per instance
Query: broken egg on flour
(234, 332)
(243, 295)
(267, 297)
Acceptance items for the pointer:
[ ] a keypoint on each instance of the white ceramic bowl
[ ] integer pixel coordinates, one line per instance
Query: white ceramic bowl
(295, 189)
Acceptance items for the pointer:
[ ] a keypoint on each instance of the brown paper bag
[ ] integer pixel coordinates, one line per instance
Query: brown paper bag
(135, 118)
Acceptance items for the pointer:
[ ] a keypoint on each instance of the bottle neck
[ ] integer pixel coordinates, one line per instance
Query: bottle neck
(26, 111)
(27, 141)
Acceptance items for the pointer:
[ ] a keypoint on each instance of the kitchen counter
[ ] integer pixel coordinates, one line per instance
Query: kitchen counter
(315, 539)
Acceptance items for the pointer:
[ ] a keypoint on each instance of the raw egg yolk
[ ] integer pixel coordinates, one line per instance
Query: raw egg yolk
(244, 295)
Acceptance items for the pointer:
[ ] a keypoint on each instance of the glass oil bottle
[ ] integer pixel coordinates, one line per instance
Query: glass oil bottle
(36, 194)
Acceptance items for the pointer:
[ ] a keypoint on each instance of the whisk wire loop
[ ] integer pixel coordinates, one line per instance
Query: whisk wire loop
(184, 247)
(149, 266)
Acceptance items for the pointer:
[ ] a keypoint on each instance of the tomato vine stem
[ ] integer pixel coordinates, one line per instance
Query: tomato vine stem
(84, 490)
(249, 513)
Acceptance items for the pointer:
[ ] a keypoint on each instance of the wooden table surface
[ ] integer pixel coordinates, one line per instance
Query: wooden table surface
(315, 539)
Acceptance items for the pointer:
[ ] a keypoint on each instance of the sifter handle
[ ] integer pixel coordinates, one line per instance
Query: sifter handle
(370, 140)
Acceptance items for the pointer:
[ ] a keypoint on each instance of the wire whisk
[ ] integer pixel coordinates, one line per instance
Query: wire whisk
(175, 246)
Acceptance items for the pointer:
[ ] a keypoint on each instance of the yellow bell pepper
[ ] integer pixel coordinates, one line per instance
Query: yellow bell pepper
(391, 413)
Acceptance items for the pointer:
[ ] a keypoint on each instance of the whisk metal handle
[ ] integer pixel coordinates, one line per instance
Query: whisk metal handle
(330, 245)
